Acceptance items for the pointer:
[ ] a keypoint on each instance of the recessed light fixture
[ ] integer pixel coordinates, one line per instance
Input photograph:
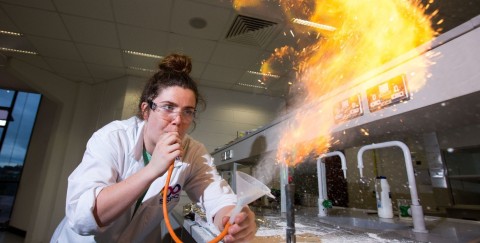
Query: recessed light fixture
(4, 32)
(142, 69)
(198, 23)
(264, 74)
(252, 86)
(313, 24)
(136, 53)
(18, 51)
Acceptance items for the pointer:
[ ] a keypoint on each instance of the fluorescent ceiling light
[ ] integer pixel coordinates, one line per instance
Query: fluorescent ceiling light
(136, 53)
(18, 51)
(313, 24)
(142, 69)
(264, 74)
(4, 32)
(252, 86)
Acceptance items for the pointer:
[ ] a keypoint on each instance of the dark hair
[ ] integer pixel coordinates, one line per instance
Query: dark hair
(174, 71)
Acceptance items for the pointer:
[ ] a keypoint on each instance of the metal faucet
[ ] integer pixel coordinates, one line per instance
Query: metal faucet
(322, 180)
(417, 211)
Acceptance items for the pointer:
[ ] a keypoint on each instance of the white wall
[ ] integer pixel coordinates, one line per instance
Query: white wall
(228, 112)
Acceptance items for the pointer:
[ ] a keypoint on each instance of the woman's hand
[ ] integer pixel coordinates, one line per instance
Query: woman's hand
(168, 148)
(244, 227)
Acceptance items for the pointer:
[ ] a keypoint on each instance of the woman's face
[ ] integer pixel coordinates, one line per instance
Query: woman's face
(171, 113)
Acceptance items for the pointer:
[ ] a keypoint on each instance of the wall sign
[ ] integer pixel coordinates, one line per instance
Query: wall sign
(388, 93)
(348, 109)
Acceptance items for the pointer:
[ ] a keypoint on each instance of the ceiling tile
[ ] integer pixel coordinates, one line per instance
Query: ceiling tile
(197, 49)
(34, 60)
(98, 9)
(214, 84)
(279, 86)
(238, 56)
(55, 48)
(41, 4)
(101, 55)
(267, 10)
(220, 3)
(283, 38)
(91, 31)
(6, 23)
(16, 42)
(248, 89)
(138, 73)
(217, 19)
(151, 14)
(78, 78)
(37, 22)
(275, 93)
(248, 78)
(142, 40)
(222, 74)
(67, 67)
(278, 66)
(140, 62)
(105, 72)
(197, 69)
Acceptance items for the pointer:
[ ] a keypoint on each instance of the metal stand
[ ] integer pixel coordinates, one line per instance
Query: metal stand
(289, 193)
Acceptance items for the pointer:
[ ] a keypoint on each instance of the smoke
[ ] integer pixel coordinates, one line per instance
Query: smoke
(266, 168)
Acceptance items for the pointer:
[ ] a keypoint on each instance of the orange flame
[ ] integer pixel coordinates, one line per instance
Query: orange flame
(366, 35)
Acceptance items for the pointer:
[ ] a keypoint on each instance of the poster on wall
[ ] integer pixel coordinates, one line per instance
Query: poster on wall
(388, 93)
(348, 109)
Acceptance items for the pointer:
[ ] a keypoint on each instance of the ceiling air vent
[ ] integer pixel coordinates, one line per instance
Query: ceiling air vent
(251, 31)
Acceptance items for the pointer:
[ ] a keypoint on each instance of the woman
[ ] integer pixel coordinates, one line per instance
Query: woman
(115, 194)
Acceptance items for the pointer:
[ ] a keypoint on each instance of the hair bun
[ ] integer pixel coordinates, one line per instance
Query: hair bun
(176, 63)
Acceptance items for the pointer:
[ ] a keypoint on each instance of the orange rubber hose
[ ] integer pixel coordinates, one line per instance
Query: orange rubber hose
(167, 220)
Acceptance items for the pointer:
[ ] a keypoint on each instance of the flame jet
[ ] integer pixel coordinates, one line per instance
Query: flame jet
(357, 37)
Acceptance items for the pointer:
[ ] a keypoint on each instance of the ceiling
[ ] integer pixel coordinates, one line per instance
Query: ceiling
(84, 41)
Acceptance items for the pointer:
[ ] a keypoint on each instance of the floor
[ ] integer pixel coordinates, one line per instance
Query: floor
(6, 203)
(7, 237)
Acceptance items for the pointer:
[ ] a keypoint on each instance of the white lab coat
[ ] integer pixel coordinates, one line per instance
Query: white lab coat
(114, 153)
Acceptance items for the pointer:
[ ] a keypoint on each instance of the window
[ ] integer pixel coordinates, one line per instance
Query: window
(18, 111)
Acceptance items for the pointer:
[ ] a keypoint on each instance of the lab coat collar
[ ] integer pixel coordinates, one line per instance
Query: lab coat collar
(139, 130)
